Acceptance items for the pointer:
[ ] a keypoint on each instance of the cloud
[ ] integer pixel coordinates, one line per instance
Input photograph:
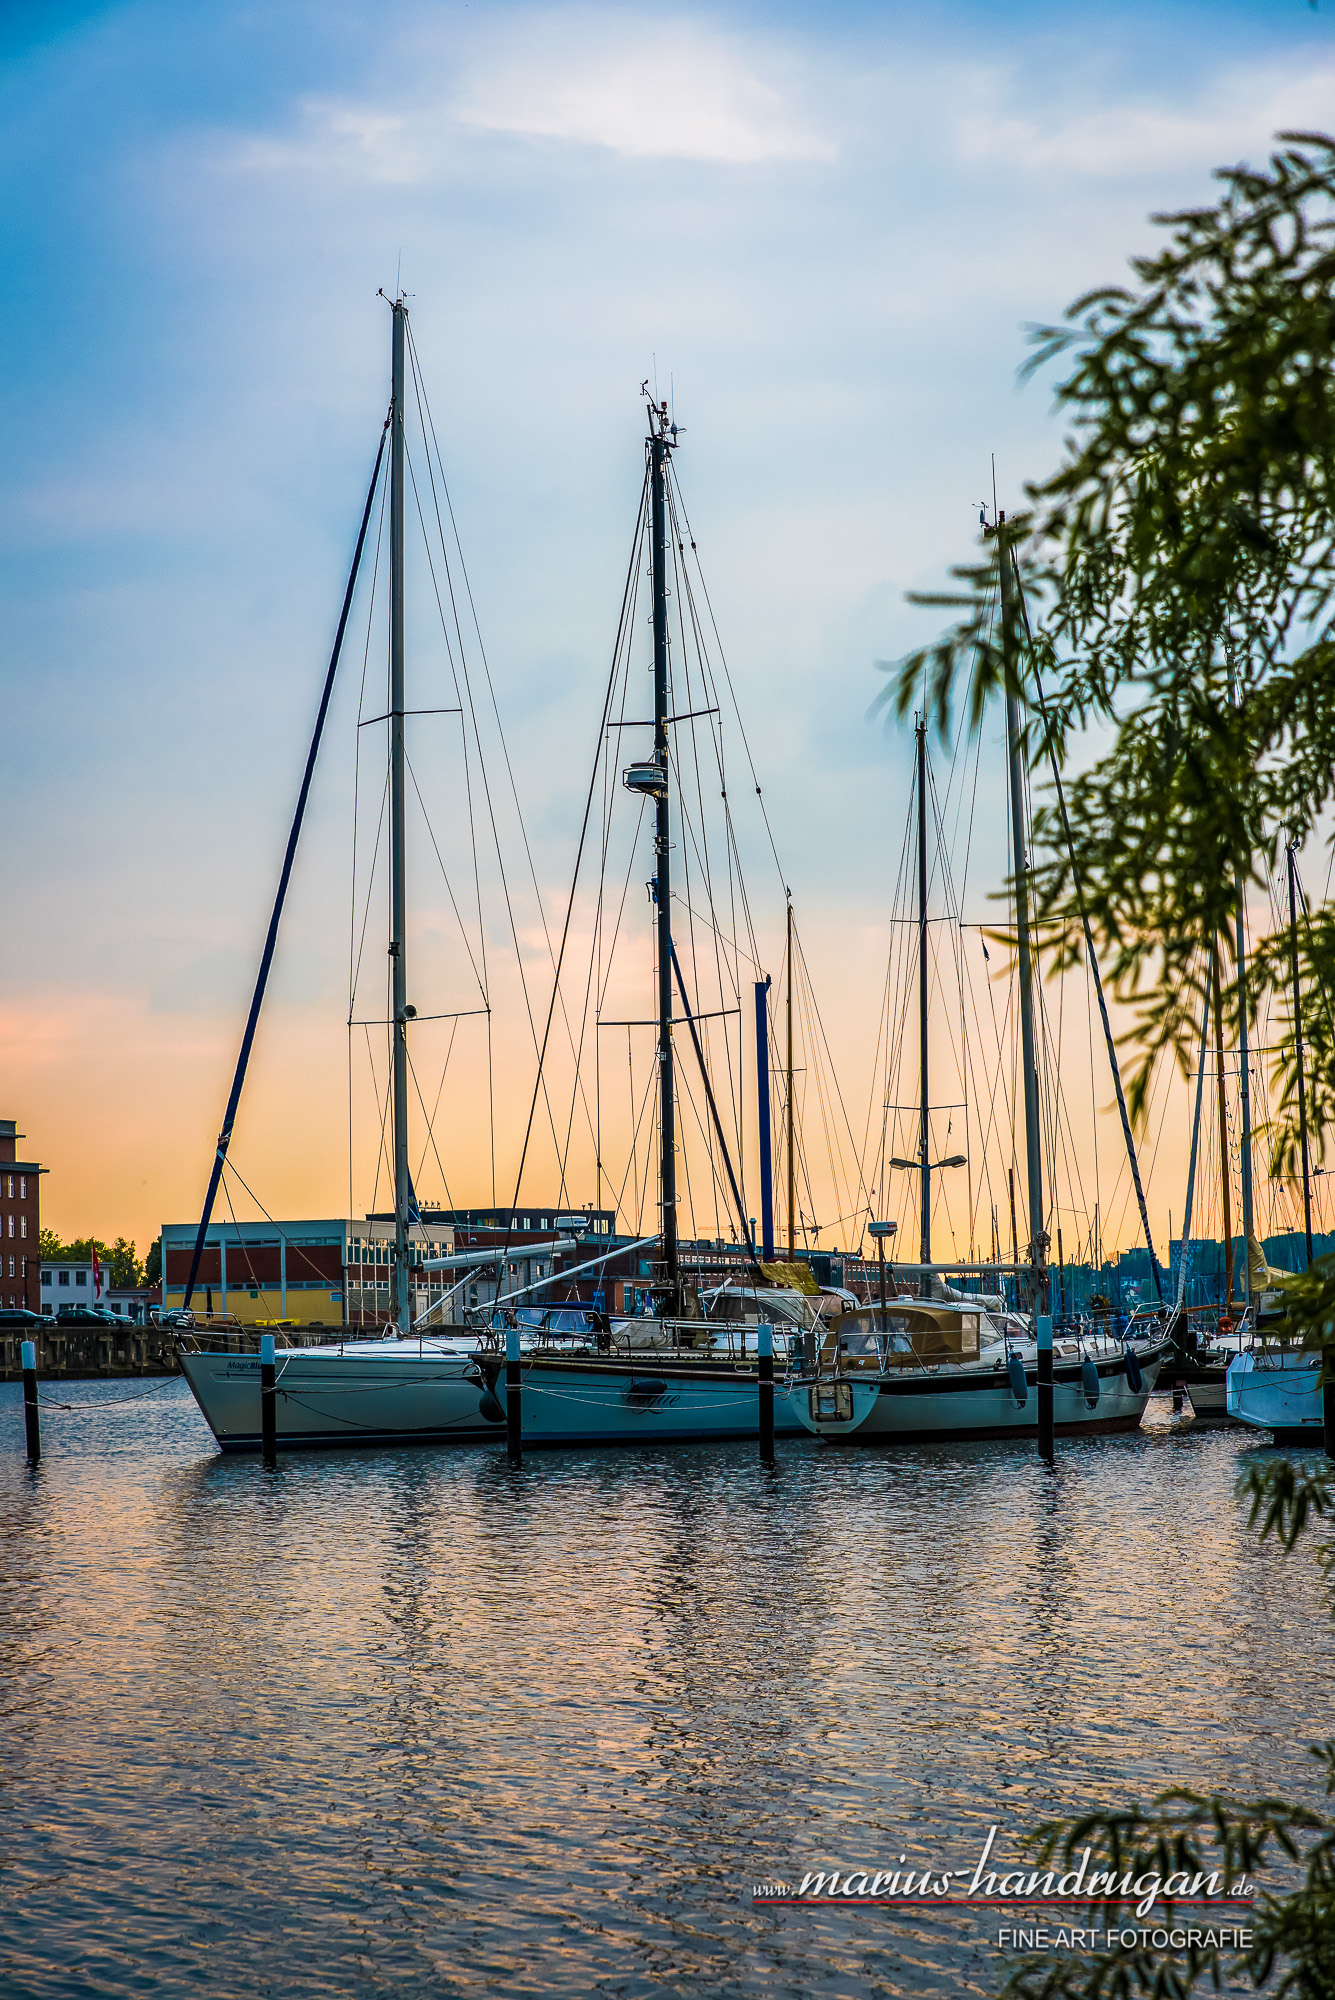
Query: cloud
(681, 91)
(1234, 108)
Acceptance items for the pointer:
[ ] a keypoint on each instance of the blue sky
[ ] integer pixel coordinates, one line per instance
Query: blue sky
(826, 228)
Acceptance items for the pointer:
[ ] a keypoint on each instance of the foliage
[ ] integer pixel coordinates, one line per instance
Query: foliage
(1179, 567)
(1293, 1933)
(123, 1265)
(153, 1263)
(120, 1263)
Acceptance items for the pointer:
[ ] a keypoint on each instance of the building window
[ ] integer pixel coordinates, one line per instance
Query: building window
(46, 1277)
(11, 1219)
(47, 1307)
(24, 1230)
(23, 1187)
(81, 1277)
(11, 1267)
(62, 1277)
(11, 1187)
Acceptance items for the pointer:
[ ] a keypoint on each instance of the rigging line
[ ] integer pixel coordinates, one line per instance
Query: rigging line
(430, 1124)
(270, 943)
(357, 744)
(419, 385)
(382, 1151)
(305, 1262)
(370, 890)
(713, 1107)
(449, 889)
(466, 692)
(825, 1044)
(723, 660)
(684, 602)
(1089, 943)
(574, 880)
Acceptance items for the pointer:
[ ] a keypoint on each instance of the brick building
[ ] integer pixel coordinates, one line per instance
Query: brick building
(20, 1181)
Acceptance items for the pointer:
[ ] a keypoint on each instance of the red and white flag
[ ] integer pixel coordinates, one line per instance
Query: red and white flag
(97, 1275)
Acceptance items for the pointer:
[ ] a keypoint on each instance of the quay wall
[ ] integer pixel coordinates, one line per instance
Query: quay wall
(87, 1353)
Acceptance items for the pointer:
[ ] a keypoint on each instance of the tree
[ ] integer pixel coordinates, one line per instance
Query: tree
(1179, 567)
(153, 1263)
(124, 1269)
(1178, 570)
(48, 1246)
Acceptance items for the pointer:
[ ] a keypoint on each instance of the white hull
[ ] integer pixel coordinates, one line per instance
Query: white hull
(656, 1399)
(366, 1392)
(972, 1400)
(1277, 1389)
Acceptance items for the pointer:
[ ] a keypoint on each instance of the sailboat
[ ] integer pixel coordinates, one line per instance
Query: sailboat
(413, 1386)
(687, 1368)
(954, 1366)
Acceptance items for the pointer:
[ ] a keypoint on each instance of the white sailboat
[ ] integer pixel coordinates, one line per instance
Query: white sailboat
(413, 1386)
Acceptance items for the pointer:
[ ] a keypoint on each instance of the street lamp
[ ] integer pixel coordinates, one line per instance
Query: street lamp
(927, 1168)
(880, 1230)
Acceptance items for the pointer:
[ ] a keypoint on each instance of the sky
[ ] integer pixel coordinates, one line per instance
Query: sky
(823, 231)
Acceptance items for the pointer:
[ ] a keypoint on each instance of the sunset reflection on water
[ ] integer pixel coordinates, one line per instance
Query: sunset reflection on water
(418, 1721)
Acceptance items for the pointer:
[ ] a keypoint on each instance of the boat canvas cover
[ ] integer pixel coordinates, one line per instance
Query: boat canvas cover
(916, 1334)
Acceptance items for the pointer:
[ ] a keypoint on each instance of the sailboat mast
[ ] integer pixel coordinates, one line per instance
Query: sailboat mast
(1223, 1130)
(1298, 1052)
(925, 1232)
(1037, 1253)
(398, 921)
(1244, 1086)
(792, 1155)
(659, 448)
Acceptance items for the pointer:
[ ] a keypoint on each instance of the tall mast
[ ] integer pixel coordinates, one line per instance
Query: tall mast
(792, 1156)
(659, 448)
(925, 1233)
(1223, 1129)
(1298, 1051)
(398, 885)
(1037, 1253)
(1244, 1087)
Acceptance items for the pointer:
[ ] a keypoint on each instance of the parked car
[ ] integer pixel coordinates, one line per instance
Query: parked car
(88, 1316)
(19, 1316)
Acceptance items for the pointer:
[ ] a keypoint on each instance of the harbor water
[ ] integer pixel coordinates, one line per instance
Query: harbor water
(422, 1722)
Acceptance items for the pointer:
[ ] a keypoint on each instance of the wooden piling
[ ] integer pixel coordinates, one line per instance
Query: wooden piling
(514, 1416)
(268, 1400)
(1046, 1443)
(31, 1418)
(765, 1371)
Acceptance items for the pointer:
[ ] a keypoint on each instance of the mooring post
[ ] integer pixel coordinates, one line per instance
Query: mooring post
(268, 1400)
(31, 1420)
(1327, 1400)
(765, 1344)
(1045, 1435)
(514, 1415)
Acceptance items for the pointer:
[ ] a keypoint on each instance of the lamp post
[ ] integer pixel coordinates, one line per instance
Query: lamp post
(927, 1168)
(880, 1230)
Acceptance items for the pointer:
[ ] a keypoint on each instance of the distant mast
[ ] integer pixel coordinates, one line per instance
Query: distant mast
(925, 1233)
(1038, 1240)
(660, 446)
(398, 895)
